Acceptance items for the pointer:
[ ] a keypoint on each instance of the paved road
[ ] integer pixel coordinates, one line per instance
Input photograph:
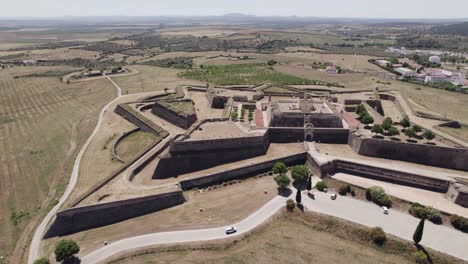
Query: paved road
(402, 225)
(39, 233)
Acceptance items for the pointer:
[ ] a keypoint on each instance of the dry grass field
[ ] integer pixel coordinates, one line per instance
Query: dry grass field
(222, 206)
(294, 238)
(43, 122)
(151, 78)
(134, 144)
(461, 133)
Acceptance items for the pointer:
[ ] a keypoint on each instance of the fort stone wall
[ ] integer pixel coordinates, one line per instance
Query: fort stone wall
(243, 172)
(180, 120)
(83, 218)
(445, 157)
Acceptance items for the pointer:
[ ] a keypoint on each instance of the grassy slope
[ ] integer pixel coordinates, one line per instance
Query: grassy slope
(43, 123)
(296, 238)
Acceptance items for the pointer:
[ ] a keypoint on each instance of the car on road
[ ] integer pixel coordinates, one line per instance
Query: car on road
(333, 196)
(231, 230)
(385, 209)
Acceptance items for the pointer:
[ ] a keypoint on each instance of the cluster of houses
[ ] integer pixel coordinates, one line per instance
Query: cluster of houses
(426, 75)
(405, 51)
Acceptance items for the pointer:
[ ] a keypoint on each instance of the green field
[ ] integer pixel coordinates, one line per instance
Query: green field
(243, 74)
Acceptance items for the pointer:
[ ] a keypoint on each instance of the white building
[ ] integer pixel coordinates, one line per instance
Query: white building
(383, 63)
(405, 72)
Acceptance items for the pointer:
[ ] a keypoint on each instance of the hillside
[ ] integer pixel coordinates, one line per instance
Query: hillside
(454, 29)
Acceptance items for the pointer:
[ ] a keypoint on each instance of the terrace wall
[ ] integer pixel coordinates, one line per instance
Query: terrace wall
(446, 157)
(83, 218)
(180, 120)
(243, 172)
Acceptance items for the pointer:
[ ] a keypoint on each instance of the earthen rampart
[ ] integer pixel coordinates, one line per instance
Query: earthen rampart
(180, 119)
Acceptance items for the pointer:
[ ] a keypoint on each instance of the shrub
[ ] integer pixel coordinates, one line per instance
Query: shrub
(234, 115)
(459, 223)
(321, 185)
(378, 196)
(282, 180)
(279, 167)
(393, 131)
(348, 188)
(366, 119)
(368, 195)
(290, 204)
(42, 261)
(387, 123)
(405, 122)
(300, 173)
(378, 236)
(417, 210)
(417, 128)
(378, 129)
(433, 215)
(420, 257)
(342, 190)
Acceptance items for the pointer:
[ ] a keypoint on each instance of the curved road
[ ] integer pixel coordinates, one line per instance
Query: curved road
(399, 224)
(38, 234)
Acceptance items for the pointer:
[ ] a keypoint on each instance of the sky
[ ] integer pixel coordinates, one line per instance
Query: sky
(316, 8)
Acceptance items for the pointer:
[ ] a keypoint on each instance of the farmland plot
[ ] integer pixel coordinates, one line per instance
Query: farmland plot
(43, 123)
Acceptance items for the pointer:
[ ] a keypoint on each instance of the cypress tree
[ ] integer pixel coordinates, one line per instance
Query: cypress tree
(298, 196)
(309, 183)
(418, 233)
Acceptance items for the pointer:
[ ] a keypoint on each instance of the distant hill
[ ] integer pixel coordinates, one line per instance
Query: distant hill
(454, 29)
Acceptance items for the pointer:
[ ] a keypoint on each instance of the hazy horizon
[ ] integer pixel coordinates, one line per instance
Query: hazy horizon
(371, 9)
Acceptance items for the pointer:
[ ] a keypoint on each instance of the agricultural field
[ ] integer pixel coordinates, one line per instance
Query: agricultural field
(294, 238)
(42, 124)
(243, 74)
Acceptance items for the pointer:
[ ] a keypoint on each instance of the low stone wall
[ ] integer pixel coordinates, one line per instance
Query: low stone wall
(445, 157)
(83, 218)
(462, 198)
(183, 121)
(139, 120)
(240, 173)
(117, 142)
(392, 176)
(217, 144)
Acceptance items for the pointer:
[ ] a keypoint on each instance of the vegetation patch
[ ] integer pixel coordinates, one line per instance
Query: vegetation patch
(178, 63)
(243, 74)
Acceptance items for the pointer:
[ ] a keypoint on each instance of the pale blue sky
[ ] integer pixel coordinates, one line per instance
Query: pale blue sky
(318, 8)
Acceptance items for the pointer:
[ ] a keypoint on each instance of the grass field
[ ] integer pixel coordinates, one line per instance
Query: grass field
(43, 122)
(185, 216)
(132, 145)
(461, 133)
(242, 74)
(295, 238)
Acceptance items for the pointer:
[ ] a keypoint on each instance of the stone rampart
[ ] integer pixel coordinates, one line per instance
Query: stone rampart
(139, 120)
(389, 175)
(240, 173)
(176, 118)
(83, 218)
(295, 134)
(445, 157)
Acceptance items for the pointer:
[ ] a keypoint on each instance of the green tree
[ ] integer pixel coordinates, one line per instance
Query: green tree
(378, 129)
(387, 123)
(65, 250)
(300, 173)
(42, 261)
(234, 115)
(309, 183)
(418, 233)
(290, 204)
(410, 133)
(405, 122)
(321, 185)
(393, 131)
(366, 119)
(282, 180)
(280, 167)
(378, 236)
(360, 109)
(298, 196)
(429, 135)
(417, 128)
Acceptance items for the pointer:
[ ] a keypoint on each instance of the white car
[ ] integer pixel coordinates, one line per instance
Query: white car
(230, 230)
(385, 209)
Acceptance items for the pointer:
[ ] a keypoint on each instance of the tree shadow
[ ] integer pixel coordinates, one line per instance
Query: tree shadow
(299, 185)
(72, 260)
(301, 207)
(420, 247)
(285, 192)
(311, 195)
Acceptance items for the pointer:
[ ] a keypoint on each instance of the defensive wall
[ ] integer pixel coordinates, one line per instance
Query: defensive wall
(83, 218)
(241, 173)
(445, 157)
(180, 119)
(295, 134)
(134, 117)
